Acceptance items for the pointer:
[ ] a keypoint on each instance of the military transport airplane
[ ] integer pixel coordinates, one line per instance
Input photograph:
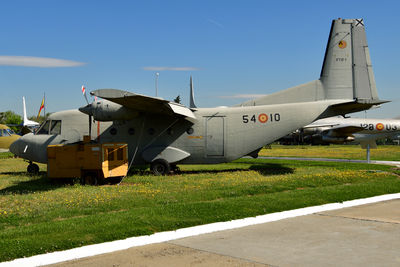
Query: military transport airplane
(340, 130)
(163, 133)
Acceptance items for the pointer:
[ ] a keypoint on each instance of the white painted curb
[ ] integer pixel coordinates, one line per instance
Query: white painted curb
(97, 249)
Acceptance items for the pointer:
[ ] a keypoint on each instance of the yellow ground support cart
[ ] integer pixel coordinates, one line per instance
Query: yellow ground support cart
(93, 163)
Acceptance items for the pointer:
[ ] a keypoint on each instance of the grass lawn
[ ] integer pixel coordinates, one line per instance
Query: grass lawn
(333, 151)
(39, 216)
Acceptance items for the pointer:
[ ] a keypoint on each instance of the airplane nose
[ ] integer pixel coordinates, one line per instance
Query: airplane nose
(33, 147)
(16, 147)
(88, 109)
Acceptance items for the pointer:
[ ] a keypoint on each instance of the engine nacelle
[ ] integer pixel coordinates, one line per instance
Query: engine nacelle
(105, 110)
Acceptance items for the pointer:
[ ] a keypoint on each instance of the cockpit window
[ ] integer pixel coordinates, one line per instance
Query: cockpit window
(50, 127)
(4, 133)
(44, 129)
(55, 127)
(11, 132)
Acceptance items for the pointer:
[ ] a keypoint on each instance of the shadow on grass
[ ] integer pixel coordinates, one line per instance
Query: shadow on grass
(37, 183)
(40, 183)
(262, 168)
(271, 169)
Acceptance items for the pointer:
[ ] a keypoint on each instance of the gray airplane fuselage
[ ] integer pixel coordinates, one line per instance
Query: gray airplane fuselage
(216, 135)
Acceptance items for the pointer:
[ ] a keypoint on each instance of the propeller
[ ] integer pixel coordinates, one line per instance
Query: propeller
(87, 110)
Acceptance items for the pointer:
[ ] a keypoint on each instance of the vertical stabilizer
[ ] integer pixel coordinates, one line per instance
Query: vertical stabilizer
(347, 70)
(27, 122)
(24, 108)
(192, 103)
(346, 75)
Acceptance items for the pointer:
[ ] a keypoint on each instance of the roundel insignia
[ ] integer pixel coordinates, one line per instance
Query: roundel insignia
(380, 126)
(263, 118)
(342, 44)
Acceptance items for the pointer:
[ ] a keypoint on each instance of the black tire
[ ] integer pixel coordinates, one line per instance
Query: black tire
(90, 179)
(32, 169)
(160, 167)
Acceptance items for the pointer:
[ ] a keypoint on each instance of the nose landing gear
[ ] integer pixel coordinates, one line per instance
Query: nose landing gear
(32, 168)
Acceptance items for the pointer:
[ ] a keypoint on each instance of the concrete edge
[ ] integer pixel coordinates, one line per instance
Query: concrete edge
(97, 249)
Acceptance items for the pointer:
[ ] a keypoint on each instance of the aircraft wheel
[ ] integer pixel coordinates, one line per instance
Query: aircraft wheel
(33, 168)
(90, 179)
(160, 167)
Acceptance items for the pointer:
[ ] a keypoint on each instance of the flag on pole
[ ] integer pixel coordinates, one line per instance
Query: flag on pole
(41, 107)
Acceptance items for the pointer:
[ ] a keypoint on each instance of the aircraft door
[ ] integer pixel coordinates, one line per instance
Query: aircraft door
(215, 136)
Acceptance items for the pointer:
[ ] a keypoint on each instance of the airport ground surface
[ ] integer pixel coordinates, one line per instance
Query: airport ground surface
(366, 235)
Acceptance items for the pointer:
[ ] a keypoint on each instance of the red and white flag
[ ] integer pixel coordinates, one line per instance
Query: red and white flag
(83, 89)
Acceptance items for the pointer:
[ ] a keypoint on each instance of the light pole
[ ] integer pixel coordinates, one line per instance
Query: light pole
(157, 74)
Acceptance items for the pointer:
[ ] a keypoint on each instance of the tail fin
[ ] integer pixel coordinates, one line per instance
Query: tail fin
(27, 122)
(24, 107)
(346, 72)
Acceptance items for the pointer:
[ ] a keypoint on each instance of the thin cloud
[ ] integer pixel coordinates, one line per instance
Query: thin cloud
(216, 23)
(41, 62)
(242, 96)
(170, 68)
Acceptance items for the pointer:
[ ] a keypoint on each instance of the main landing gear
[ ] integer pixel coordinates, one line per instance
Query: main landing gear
(32, 168)
(163, 167)
(160, 167)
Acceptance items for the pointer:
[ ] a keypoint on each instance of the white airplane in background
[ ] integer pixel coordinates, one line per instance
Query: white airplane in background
(340, 130)
(28, 123)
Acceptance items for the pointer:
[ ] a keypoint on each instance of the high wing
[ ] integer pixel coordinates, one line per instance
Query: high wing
(142, 103)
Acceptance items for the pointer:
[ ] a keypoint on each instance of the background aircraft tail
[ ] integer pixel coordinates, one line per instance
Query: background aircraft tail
(26, 122)
(346, 72)
(24, 108)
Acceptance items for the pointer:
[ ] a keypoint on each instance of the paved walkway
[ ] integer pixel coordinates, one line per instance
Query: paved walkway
(367, 235)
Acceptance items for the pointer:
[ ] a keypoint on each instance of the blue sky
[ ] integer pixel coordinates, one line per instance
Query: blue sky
(230, 48)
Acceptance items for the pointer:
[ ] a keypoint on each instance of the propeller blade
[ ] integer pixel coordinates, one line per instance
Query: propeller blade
(84, 93)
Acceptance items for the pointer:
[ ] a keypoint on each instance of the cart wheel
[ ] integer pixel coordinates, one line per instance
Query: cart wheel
(160, 167)
(89, 179)
(32, 169)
